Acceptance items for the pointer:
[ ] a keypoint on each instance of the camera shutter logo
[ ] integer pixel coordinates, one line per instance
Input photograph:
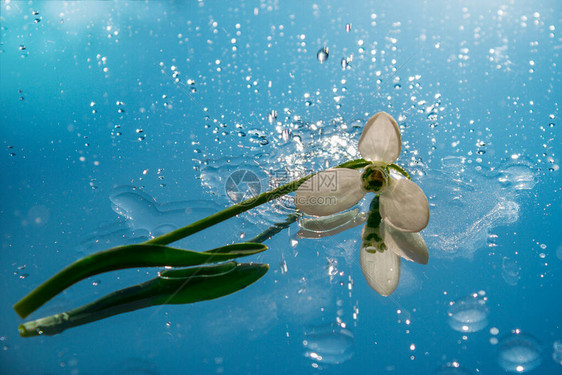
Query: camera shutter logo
(241, 185)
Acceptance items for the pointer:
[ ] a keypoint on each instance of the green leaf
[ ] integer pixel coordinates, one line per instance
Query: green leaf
(129, 256)
(171, 287)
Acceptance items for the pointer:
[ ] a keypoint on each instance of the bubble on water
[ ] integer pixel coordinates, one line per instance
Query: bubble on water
(468, 314)
(557, 351)
(518, 176)
(38, 215)
(519, 352)
(510, 271)
(143, 213)
(459, 190)
(328, 344)
(323, 54)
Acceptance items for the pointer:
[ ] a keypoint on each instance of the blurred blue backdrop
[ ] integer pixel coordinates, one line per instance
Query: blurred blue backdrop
(164, 100)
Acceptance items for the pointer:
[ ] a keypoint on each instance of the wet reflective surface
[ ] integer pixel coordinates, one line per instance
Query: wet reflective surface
(122, 120)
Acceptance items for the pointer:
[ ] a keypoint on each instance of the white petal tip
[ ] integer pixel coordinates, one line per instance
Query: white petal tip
(409, 246)
(380, 140)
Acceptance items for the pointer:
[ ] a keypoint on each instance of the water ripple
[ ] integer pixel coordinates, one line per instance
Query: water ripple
(484, 198)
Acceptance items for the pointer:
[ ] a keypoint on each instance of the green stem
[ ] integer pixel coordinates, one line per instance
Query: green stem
(148, 253)
(241, 207)
(400, 170)
(274, 229)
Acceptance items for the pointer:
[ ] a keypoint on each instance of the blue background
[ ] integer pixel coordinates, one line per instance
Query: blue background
(166, 99)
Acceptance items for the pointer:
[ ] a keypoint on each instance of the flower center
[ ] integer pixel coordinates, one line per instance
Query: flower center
(375, 178)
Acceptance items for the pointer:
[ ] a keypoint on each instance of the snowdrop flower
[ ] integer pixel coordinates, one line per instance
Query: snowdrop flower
(402, 203)
(398, 212)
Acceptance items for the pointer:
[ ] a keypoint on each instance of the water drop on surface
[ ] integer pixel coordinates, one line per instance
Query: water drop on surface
(348, 27)
(272, 116)
(468, 314)
(323, 54)
(510, 271)
(329, 344)
(283, 267)
(557, 351)
(519, 353)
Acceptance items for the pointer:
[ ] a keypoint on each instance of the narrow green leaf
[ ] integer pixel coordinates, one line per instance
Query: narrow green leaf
(196, 284)
(129, 256)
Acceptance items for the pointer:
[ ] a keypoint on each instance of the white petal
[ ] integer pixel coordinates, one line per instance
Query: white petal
(330, 225)
(404, 205)
(380, 140)
(409, 246)
(381, 270)
(329, 192)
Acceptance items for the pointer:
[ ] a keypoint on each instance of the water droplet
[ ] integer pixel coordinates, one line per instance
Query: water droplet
(329, 344)
(519, 353)
(22, 47)
(510, 271)
(323, 54)
(468, 314)
(283, 267)
(344, 63)
(272, 116)
(294, 241)
(347, 27)
(557, 351)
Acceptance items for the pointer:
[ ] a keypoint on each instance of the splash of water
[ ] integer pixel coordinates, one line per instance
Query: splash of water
(468, 203)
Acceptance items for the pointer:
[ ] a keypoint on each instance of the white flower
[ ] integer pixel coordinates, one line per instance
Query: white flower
(402, 203)
(392, 224)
